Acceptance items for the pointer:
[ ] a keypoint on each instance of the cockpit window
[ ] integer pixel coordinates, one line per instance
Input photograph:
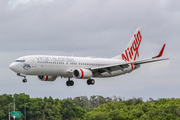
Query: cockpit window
(20, 60)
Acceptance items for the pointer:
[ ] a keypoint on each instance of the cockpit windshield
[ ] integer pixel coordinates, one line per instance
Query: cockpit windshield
(20, 60)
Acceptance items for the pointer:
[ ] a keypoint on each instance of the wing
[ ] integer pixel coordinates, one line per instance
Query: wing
(121, 66)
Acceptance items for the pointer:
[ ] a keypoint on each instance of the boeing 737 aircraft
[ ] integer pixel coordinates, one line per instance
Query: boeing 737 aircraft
(48, 68)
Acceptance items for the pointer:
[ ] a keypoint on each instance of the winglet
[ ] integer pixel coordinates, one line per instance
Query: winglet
(161, 52)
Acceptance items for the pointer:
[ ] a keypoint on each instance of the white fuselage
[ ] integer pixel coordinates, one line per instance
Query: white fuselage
(63, 65)
(48, 68)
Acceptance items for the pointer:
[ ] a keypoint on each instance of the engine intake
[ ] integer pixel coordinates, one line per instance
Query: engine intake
(81, 73)
(47, 78)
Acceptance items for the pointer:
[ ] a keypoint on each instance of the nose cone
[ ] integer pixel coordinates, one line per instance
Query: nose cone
(14, 67)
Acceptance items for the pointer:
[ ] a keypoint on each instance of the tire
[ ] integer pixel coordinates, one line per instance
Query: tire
(67, 83)
(89, 81)
(92, 81)
(71, 83)
(24, 80)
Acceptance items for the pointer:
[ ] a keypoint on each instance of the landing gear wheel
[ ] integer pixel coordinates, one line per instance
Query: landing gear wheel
(90, 81)
(24, 80)
(67, 83)
(70, 83)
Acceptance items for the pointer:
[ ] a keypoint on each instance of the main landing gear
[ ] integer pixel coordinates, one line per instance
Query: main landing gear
(90, 81)
(69, 82)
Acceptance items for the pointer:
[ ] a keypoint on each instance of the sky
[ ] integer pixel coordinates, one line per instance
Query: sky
(100, 28)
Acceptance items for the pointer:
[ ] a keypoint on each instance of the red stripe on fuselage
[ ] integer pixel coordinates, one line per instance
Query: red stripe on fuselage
(82, 74)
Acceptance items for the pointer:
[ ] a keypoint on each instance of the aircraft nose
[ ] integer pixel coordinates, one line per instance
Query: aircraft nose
(14, 67)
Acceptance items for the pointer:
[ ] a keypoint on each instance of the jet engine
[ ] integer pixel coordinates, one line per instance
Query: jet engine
(81, 73)
(47, 78)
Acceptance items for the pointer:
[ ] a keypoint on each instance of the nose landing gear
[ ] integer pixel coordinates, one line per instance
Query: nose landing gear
(24, 80)
(21, 75)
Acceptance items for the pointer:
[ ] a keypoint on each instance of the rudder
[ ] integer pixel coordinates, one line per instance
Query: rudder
(131, 53)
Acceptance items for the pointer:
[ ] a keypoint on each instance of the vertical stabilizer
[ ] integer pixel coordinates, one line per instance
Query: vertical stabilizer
(131, 53)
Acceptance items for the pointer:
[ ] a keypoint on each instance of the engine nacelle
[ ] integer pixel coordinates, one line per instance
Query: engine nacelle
(47, 78)
(82, 73)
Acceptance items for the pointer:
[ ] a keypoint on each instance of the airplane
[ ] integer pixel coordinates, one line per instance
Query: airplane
(48, 67)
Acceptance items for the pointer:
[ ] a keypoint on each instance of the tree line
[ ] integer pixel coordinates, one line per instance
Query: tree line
(94, 108)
